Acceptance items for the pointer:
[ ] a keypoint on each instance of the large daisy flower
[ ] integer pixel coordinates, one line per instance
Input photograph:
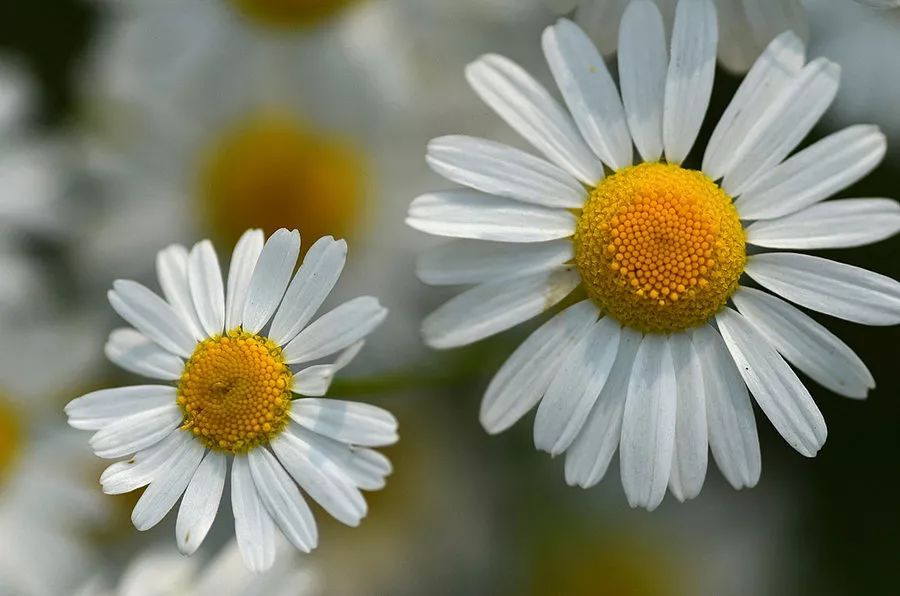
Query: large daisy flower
(747, 26)
(658, 359)
(228, 350)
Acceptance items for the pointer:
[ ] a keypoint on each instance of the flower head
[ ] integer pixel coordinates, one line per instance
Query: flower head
(660, 359)
(228, 349)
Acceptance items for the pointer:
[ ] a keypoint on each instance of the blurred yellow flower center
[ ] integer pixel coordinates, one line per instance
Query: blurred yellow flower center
(659, 247)
(11, 435)
(290, 14)
(270, 172)
(235, 391)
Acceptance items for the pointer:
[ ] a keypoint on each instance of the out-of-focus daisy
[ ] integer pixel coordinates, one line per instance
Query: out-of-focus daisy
(47, 504)
(31, 182)
(655, 362)
(229, 347)
(48, 501)
(746, 26)
(865, 43)
(236, 137)
(157, 572)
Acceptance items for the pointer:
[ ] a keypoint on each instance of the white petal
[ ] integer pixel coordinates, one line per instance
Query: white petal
(829, 287)
(336, 330)
(689, 80)
(589, 92)
(315, 380)
(805, 343)
(253, 526)
(200, 503)
(643, 61)
(732, 427)
(493, 307)
(771, 73)
(648, 424)
(207, 291)
(167, 487)
(470, 214)
(590, 455)
(576, 386)
(132, 351)
(270, 278)
(832, 224)
(320, 270)
(126, 476)
(98, 409)
(691, 439)
(172, 272)
(474, 261)
(815, 173)
(321, 477)
(527, 107)
(283, 500)
(346, 421)
(777, 390)
(526, 374)
(498, 169)
(135, 432)
(152, 316)
(366, 468)
(243, 262)
(786, 121)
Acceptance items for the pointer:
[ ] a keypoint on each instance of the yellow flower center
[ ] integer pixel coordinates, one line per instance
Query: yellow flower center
(270, 172)
(290, 14)
(11, 436)
(660, 248)
(235, 391)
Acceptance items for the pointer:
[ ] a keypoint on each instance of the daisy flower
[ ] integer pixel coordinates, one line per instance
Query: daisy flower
(31, 182)
(157, 572)
(865, 42)
(655, 361)
(228, 349)
(185, 153)
(746, 26)
(48, 500)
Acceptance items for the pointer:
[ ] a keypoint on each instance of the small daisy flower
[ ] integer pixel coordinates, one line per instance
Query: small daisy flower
(746, 27)
(659, 358)
(158, 572)
(228, 350)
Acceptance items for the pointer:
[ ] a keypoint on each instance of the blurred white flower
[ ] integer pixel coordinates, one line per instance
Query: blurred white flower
(229, 348)
(747, 26)
(31, 185)
(866, 43)
(158, 572)
(202, 122)
(47, 504)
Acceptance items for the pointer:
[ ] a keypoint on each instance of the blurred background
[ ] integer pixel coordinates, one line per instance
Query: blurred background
(126, 125)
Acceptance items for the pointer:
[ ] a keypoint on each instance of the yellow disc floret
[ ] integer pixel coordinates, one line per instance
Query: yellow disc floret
(290, 14)
(660, 248)
(11, 436)
(235, 391)
(271, 171)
